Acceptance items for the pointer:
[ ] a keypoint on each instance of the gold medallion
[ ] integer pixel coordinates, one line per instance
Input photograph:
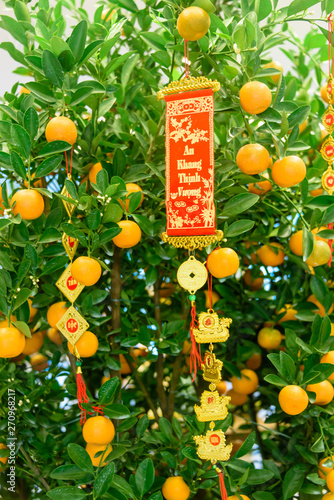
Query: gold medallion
(69, 207)
(192, 275)
(328, 119)
(72, 325)
(70, 244)
(211, 328)
(213, 407)
(213, 446)
(212, 368)
(327, 180)
(69, 286)
(327, 149)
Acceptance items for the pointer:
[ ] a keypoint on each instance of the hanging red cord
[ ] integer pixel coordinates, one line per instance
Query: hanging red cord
(81, 395)
(195, 355)
(69, 170)
(186, 58)
(223, 491)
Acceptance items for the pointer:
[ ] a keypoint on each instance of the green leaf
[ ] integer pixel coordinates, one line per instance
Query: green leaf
(307, 455)
(54, 147)
(119, 162)
(66, 492)
(259, 476)
(239, 203)
(90, 50)
(142, 426)
(153, 40)
(134, 201)
(117, 411)
(68, 472)
(144, 477)
(58, 45)
(21, 11)
(299, 116)
(308, 240)
(50, 235)
(239, 227)
(31, 122)
(123, 486)
(275, 380)
(145, 224)
(108, 390)
(300, 6)
(263, 495)
(15, 28)
(21, 140)
(263, 8)
(13, 52)
(77, 40)
(43, 92)
(246, 446)
(49, 165)
(104, 480)
(293, 480)
(52, 68)
(102, 180)
(6, 261)
(23, 327)
(318, 287)
(80, 457)
(109, 234)
(55, 264)
(166, 427)
(18, 165)
(94, 219)
(21, 297)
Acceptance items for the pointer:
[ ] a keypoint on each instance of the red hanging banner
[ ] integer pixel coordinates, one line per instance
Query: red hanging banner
(190, 163)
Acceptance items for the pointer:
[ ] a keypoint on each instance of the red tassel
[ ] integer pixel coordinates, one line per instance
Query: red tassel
(222, 486)
(195, 355)
(330, 243)
(82, 397)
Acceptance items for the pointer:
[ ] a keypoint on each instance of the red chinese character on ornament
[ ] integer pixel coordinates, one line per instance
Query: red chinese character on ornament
(71, 241)
(329, 88)
(72, 325)
(215, 440)
(208, 322)
(330, 181)
(329, 119)
(71, 283)
(210, 400)
(329, 150)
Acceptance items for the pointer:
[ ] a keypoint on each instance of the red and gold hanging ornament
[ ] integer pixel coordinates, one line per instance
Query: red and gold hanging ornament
(327, 148)
(191, 223)
(72, 325)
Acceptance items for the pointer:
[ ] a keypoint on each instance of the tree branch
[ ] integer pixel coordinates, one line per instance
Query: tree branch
(35, 469)
(160, 362)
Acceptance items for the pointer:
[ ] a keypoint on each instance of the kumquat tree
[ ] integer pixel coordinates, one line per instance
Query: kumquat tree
(166, 287)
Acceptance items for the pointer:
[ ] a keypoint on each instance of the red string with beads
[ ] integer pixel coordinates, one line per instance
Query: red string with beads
(82, 397)
(223, 491)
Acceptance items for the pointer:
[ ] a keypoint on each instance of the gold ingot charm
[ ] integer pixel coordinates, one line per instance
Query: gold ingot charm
(327, 149)
(72, 325)
(70, 244)
(192, 275)
(69, 207)
(213, 407)
(211, 328)
(69, 286)
(212, 368)
(213, 446)
(327, 180)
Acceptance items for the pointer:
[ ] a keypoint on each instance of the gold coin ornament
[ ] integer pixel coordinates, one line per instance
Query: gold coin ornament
(72, 325)
(212, 446)
(69, 286)
(192, 275)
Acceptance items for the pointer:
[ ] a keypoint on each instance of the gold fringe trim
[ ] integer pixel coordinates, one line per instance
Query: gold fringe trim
(192, 242)
(190, 83)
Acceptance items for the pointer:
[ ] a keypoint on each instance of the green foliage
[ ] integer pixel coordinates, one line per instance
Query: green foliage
(104, 75)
